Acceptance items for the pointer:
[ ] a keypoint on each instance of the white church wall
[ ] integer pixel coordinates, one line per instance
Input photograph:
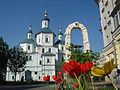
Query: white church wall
(29, 48)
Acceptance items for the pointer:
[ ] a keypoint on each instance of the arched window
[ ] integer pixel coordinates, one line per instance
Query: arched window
(43, 50)
(39, 40)
(49, 50)
(28, 47)
(45, 24)
(48, 61)
(40, 62)
(30, 57)
(46, 39)
(62, 48)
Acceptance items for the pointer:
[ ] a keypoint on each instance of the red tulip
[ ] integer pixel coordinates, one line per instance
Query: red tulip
(89, 65)
(72, 68)
(54, 77)
(76, 85)
(86, 67)
(58, 78)
(60, 73)
(61, 83)
(46, 78)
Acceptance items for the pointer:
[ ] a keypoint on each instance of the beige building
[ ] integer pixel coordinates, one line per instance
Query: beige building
(110, 23)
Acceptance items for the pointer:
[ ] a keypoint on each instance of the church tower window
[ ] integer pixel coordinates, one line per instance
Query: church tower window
(28, 47)
(48, 61)
(49, 50)
(39, 77)
(46, 39)
(30, 57)
(39, 39)
(62, 48)
(43, 50)
(12, 77)
(40, 62)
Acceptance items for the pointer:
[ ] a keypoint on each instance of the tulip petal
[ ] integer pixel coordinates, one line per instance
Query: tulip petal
(97, 71)
(109, 66)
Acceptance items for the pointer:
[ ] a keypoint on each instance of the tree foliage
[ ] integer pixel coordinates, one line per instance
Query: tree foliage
(80, 56)
(17, 60)
(4, 55)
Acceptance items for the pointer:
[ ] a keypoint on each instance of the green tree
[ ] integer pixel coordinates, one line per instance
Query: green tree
(78, 55)
(4, 52)
(17, 60)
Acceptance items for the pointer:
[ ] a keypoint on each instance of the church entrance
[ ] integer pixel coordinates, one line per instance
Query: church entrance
(28, 75)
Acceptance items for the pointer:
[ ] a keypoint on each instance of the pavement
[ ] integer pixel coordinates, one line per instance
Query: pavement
(28, 87)
(44, 86)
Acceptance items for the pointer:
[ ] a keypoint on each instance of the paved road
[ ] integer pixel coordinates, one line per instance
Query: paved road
(29, 87)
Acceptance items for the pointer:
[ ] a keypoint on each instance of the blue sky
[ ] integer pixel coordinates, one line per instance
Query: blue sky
(16, 15)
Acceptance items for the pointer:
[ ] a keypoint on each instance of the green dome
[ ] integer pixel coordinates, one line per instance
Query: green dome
(45, 30)
(28, 41)
(30, 31)
(60, 42)
(60, 33)
(45, 18)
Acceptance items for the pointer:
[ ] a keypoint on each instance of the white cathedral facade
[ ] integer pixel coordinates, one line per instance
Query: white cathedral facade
(45, 54)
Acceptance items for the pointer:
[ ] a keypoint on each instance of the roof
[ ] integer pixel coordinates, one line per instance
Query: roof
(45, 30)
(30, 31)
(45, 18)
(28, 41)
(47, 54)
(60, 33)
(60, 42)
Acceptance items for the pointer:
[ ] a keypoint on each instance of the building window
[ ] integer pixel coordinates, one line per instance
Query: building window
(43, 50)
(106, 4)
(103, 10)
(45, 24)
(30, 57)
(39, 77)
(12, 77)
(109, 22)
(62, 48)
(116, 21)
(40, 63)
(105, 27)
(46, 39)
(48, 61)
(49, 50)
(39, 40)
(28, 47)
(35, 72)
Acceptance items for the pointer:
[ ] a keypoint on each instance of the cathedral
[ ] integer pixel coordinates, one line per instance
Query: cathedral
(45, 53)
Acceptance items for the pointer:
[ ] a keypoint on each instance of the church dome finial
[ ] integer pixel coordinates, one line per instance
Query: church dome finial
(30, 28)
(45, 13)
(60, 28)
